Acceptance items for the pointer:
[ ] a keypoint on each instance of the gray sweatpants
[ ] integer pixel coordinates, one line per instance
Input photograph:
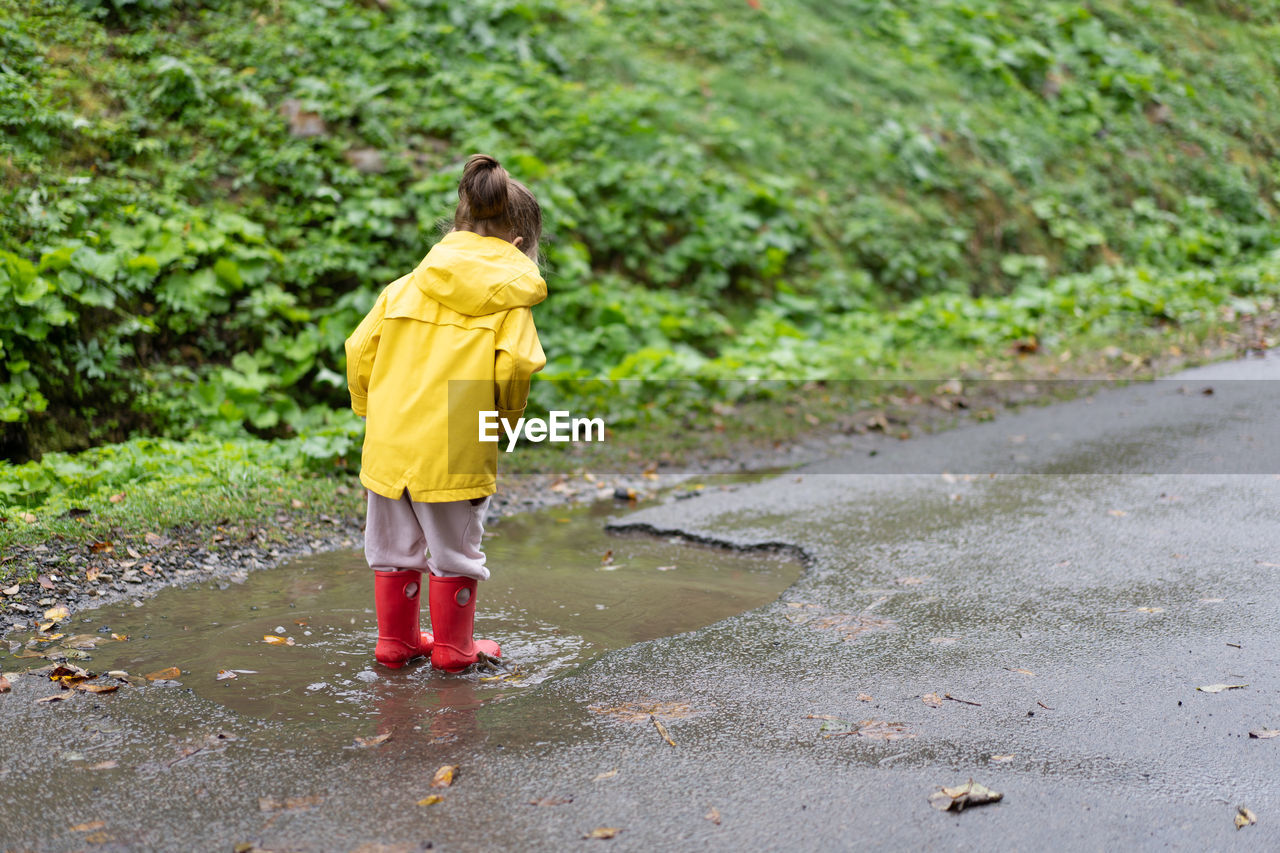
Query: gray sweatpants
(399, 535)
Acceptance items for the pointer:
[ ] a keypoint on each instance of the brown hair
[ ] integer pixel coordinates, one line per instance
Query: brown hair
(492, 203)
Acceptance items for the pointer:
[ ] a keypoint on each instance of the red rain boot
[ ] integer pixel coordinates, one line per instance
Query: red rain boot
(453, 613)
(397, 597)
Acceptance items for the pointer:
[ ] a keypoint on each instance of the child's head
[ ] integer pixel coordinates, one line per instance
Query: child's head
(494, 204)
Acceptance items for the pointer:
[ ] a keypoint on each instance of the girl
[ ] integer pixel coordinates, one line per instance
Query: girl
(448, 341)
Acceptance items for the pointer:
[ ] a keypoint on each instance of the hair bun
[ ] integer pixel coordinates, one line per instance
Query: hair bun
(484, 187)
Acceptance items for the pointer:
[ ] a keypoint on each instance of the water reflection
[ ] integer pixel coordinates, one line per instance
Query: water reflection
(563, 592)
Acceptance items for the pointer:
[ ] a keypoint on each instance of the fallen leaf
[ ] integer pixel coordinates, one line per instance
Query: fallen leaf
(116, 498)
(5, 686)
(640, 712)
(12, 590)
(375, 740)
(1218, 688)
(444, 776)
(1262, 734)
(1001, 758)
(1118, 513)
(88, 827)
(109, 764)
(608, 774)
(105, 546)
(277, 640)
(962, 796)
(57, 614)
(225, 674)
(120, 638)
(603, 832)
(164, 674)
(269, 804)
(713, 815)
(607, 558)
(876, 730)
(431, 800)
(69, 676)
(98, 688)
(154, 539)
(933, 700)
(45, 582)
(57, 697)
(92, 573)
(551, 801)
(865, 697)
(1023, 671)
(662, 730)
(1245, 817)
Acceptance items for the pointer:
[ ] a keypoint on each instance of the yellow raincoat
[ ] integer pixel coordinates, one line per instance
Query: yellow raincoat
(451, 339)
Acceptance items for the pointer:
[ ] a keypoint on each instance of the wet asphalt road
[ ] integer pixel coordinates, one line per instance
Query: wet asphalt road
(1125, 552)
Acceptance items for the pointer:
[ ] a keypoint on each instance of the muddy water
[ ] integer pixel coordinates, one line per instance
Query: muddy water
(562, 593)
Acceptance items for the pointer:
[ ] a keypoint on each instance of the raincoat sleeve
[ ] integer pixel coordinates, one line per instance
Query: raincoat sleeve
(362, 346)
(519, 356)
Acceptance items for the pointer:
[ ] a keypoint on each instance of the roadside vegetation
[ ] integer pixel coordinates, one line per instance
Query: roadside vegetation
(199, 200)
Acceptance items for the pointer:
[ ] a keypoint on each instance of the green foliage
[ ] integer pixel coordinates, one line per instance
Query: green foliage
(200, 200)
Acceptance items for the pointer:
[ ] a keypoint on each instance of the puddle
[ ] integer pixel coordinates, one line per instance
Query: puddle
(554, 602)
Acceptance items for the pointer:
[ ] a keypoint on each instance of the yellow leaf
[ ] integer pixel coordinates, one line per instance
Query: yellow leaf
(444, 776)
(276, 640)
(431, 800)
(1245, 817)
(57, 614)
(603, 832)
(164, 675)
(98, 688)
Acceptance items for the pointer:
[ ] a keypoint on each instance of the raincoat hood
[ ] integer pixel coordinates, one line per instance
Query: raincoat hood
(477, 275)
